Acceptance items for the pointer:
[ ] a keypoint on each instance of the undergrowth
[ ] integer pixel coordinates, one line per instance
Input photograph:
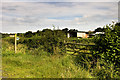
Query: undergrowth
(24, 64)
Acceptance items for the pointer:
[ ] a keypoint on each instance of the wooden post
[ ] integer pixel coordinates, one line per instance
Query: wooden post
(15, 43)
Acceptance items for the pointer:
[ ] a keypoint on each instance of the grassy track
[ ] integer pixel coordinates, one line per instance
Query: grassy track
(29, 66)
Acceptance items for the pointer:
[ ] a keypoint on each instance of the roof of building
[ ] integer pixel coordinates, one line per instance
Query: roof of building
(82, 31)
(99, 33)
(79, 31)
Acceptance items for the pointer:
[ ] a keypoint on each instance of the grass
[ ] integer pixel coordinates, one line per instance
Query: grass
(30, 66)
(36, 63)
(27, 65)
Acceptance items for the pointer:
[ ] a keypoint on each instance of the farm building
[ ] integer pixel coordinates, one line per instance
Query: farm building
(97, 33)
(11, 35)
(78, 34)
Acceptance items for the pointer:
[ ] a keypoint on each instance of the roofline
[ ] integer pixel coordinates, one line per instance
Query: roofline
(79, 31)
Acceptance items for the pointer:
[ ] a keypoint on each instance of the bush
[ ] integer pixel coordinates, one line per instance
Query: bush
(9, 39)
(108, 46)
(53, 41)
(50, 41)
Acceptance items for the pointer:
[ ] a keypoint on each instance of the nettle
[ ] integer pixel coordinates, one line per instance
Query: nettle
(108, 45)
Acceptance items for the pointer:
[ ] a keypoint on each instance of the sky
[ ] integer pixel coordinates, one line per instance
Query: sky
(22, 15)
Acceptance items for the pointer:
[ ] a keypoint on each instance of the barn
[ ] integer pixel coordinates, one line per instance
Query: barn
(78, 34)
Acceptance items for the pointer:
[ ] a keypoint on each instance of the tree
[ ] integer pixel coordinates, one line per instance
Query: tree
(38, 33)
(65, 30)
(53, 41)
(28, 34)
(99, 29)
(73, 30)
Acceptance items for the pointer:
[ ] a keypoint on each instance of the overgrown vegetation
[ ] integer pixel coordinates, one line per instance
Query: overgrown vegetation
(45, 51)
(48, 40)
(105, 60)
(107, 49)
(42, 65)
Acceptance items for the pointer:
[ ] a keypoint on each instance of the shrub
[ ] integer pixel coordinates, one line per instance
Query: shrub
(108, 45)
(50, 41)
(53, 41)
(9, 39)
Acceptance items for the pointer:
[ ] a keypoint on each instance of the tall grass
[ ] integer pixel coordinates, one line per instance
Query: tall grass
(36, 63)
(26, 65)
(29, 66)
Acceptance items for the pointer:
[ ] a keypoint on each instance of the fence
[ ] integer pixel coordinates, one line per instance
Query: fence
(79, 48)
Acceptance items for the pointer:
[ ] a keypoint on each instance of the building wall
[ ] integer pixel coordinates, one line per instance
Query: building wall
(77, 34)
(12, 35)
(82, 35)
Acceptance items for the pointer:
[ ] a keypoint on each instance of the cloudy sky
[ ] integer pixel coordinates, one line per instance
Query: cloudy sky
(23, 16)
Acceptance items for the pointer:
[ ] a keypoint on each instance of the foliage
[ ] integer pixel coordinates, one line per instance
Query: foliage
(9, 39)
(99, 68)
(105, 70)
(48, 40)
(38, 66)
(65, 30)
(103, 63)
(105, 60)
(53, 41)
(99, 29)
(38, 33)
(28, 34)
(5, 35)
(108, 46)
(8, 48)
